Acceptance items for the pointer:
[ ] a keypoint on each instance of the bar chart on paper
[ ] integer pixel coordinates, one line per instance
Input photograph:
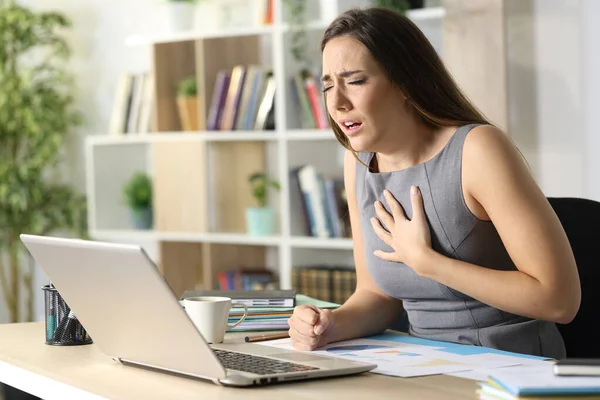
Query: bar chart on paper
(406, 356)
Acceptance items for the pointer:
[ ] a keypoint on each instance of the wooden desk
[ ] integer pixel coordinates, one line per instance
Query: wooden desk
(84, 372)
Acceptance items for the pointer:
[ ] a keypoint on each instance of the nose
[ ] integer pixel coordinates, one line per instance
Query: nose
(337, 100)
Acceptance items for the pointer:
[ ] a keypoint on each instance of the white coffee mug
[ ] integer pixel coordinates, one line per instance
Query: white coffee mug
(210, 314)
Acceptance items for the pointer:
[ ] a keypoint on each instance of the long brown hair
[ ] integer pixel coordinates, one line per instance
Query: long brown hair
(410, 62)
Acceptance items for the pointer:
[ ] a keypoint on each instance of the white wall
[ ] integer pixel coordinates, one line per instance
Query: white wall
(590, 73)
(561, 138)
(553, 84)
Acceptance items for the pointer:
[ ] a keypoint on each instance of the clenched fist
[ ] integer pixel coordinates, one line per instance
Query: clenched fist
(309, 327)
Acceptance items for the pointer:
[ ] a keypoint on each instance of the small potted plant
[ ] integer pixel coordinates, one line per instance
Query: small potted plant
(261, 219)
(138, 196)
(187, 103)
(181, 14)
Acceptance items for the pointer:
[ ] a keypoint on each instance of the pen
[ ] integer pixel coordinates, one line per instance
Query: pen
(260, 338)
(51, 322)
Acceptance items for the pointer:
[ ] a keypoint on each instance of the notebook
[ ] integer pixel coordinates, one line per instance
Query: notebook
(578, 367)
(252, 298)
(540, 381)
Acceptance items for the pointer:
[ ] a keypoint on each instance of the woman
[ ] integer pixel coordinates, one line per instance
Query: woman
(448, 223)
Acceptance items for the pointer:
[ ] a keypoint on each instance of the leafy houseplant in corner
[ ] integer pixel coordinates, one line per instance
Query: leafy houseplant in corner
(261, 220)
(37, 116)
(181, 14)
(138, 195)
(187, 104)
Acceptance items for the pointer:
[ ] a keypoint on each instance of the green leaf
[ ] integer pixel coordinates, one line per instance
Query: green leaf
(259, 182)
(188, 87)
(138, 191)
(37, 115)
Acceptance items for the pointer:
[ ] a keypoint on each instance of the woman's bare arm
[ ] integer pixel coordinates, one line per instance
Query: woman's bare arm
(497, 183)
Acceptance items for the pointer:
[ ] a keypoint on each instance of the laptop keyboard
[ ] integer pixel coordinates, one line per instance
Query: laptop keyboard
(257, 364)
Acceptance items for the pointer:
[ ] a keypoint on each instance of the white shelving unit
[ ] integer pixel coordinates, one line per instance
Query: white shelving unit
(111, 159)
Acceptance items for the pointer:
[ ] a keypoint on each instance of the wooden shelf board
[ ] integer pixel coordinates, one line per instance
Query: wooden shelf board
(222, 238)
(207, 136)
(172, 37)
(309, 134)
(137, 40)
(321, 243)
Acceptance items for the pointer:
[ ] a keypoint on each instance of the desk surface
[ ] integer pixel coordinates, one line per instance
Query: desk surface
(84, 372)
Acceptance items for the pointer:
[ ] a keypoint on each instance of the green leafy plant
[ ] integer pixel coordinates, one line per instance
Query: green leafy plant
(138, 191)
(188, 87)
(36, 116)
(400, 6)
(260, 183)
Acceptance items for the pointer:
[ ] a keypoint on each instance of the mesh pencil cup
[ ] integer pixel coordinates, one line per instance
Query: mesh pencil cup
(62, 327)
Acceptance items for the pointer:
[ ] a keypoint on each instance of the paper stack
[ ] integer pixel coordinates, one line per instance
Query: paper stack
(537, 382)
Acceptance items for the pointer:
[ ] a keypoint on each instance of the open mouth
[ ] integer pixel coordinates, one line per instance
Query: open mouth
(351, 127)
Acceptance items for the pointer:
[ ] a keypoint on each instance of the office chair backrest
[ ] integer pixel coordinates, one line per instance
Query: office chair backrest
(580, 219)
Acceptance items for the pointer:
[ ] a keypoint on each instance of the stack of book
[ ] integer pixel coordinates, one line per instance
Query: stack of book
(325, 282)
(133, 102)
(244, 280)
(323, 200)
(268, 310)
(242, 99)
(272, 318)
(307, 93)
(537, 382)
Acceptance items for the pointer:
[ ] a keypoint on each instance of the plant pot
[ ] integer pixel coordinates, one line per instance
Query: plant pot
(260, 221)
(141, 218)
(189, 111)
(181, 16)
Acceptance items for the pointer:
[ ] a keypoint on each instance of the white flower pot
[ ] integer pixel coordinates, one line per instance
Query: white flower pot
(181, 16)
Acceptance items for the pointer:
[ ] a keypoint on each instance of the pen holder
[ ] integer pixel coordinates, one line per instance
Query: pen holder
(62, 327)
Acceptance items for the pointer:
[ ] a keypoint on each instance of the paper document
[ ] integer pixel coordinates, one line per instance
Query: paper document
(407, 356)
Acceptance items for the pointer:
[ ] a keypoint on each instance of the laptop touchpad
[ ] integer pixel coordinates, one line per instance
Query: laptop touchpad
(299, 357)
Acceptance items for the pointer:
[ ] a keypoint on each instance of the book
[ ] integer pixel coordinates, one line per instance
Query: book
(265, 318)
(577, 367)
(252, 298)
(490, 391)
(540, 381)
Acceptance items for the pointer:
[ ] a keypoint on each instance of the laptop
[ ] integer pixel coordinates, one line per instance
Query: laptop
(132, 315)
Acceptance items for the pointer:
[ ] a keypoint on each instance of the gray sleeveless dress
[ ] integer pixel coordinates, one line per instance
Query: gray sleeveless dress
(436, 311)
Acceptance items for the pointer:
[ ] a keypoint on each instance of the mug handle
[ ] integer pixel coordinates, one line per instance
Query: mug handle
(243, 316)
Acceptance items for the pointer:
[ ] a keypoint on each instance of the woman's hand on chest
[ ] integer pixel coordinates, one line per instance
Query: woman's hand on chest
(409, 239)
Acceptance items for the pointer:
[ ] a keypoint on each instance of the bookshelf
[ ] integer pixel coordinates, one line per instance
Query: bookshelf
(200, 177)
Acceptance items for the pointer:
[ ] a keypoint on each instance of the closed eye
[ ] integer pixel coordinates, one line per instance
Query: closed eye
(356, 82)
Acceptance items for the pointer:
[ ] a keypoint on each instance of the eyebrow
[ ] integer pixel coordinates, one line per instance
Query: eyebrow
(344, 74)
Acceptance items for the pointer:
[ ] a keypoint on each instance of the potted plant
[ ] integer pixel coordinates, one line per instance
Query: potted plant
(138, 196)
(260, 220)
(181, 14)
(37, 116)
(187, 103)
